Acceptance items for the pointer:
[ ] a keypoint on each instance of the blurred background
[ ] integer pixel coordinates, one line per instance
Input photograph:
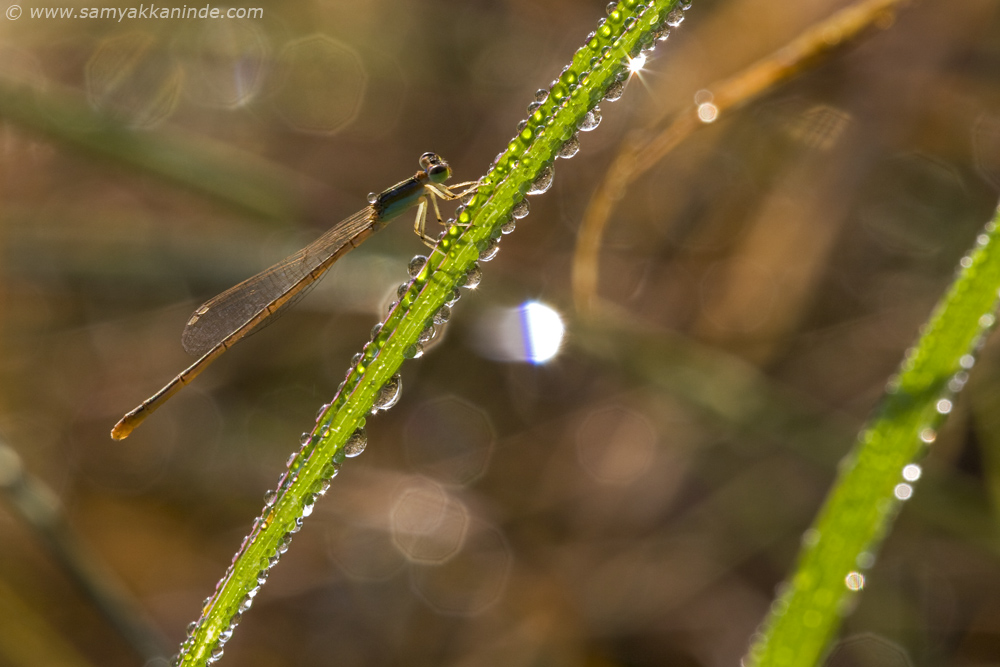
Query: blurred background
(636, 499)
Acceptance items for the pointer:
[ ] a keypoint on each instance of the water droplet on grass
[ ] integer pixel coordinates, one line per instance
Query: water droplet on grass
(591, 120)
(427, 335)
(521, 209)
(490, 250)
(356, 443)
(473, 277)
(415, 265)
(389, 394)
(442, 315)
(543, 181)
(615, 91)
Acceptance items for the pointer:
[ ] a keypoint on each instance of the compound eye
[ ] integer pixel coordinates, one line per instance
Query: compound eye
(427, 159)
(439, 172)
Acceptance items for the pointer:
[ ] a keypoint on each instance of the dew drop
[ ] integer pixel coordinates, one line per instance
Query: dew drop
(543, 181)
(944, 406)
(356, 443)
(291, 457)
(615, 91)
(284, 543)
(521, 209)
(322, 411)
(675, 17)
(541, 95)
(308, 504)
(427, 335)
(662, 33)
(356, 359)
(246, 603)
(329, 471)
(903, 491)
(269, 498)
(442, 315)
(473, 277)
(520, 126)
(392, 306)
(320, 487)
(570, 148)
(533, 107)
(261, 579)
(414, 351)
(415, 265)
(304, 439)
(490, 250)
(372, 197)
(928, 435)
(456, 294)
(215, 656)
(611, 6)
(912, 472)
(967, 361)
(508, 227)
(591, 120)
(389, 394)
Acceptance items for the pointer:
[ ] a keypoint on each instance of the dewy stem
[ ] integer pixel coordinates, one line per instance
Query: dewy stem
(597, 71)
(877, 476)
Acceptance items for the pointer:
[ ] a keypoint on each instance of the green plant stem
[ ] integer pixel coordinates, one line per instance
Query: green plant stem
(600, 64)
(868, 493)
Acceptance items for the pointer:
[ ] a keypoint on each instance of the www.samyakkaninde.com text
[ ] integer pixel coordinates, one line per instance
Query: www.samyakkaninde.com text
(146, 12)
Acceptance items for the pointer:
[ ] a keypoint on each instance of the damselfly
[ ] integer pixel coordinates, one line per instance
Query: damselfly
(220, 323)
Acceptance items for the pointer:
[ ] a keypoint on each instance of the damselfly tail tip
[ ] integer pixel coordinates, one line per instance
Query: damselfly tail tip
(124, 427)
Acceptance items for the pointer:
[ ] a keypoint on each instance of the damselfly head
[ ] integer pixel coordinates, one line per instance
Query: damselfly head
(436, 168)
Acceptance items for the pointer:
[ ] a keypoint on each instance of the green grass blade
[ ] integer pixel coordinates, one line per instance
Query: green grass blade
(525, 166)
(227, 175)
(869, 490)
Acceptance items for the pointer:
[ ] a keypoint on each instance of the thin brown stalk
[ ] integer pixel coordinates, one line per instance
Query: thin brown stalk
(639, 153)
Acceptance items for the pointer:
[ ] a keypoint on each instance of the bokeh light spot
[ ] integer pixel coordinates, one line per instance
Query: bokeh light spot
(428, 525)
(450, 440)
(473, 580)
(615, 445)
(130, 77)
(543, 331)
(323, 84)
